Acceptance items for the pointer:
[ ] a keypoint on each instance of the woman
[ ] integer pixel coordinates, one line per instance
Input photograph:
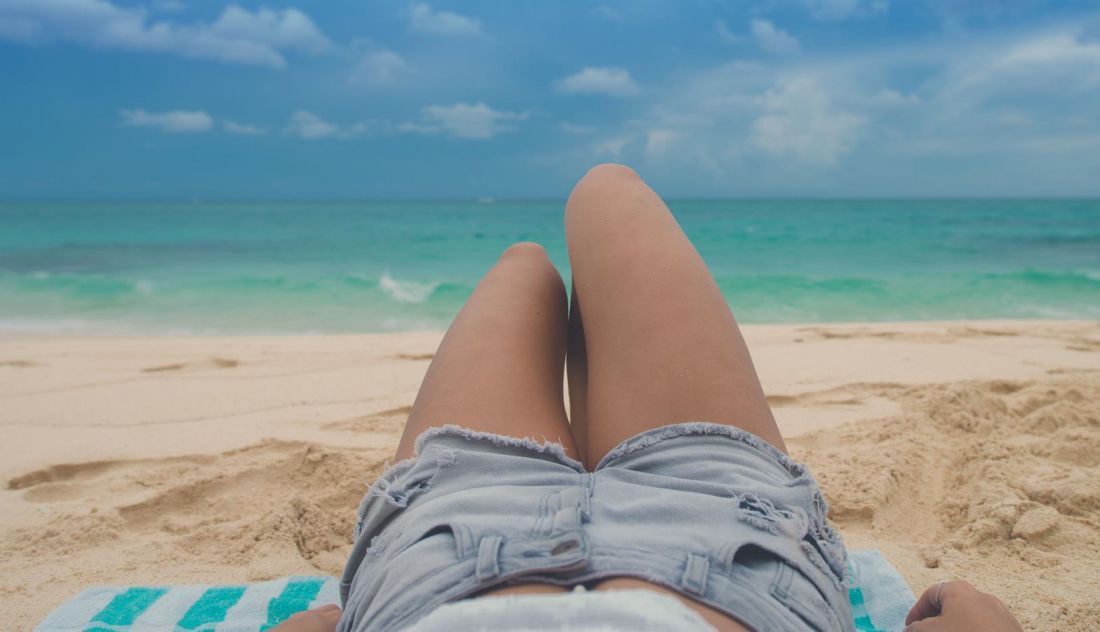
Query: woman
(665, 500)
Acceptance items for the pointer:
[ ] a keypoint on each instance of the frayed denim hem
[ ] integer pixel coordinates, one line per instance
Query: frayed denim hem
(386, 486)
(551, 448)
(654, 436)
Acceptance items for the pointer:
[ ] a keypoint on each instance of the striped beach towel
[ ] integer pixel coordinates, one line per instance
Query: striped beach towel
(880, 600)
(879, 595)
(240, 608)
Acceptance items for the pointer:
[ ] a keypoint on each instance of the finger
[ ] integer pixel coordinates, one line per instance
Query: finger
(925, 606)
(933, 601)
(951, 592)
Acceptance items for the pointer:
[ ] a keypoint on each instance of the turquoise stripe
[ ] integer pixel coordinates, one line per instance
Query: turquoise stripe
(860, 618)
(126, 607)
(211, 607)
(296, 596)
(855, 595)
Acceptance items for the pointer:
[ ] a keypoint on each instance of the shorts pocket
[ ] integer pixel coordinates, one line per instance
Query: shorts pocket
(401, 489)
(798, 594)
(458, 537)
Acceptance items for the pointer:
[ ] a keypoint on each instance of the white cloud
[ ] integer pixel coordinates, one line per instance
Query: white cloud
(1056, 74)
(307, 125)
(843, 9)
(892, 98)
(725, 34)
(170, 6)
(1012, 117)
(475, 121)
(799, 121)
(575, 129)
(611, 81)
(379, 66)
(15, 28)
(609, 13)
(424, 19)
(1008, 112)
(659, 142)
(289, 29)
(362, 127)
(1065, 50)
(773, 39)
(237, 36)
(176, 121)
(611, 147)
(244, 129)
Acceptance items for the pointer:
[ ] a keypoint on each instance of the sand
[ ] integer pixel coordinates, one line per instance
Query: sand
(960, 449)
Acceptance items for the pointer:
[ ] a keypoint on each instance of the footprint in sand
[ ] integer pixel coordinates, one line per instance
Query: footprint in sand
(254, 505)
(847, 395)
(18, 364)
(390, 421)
(70, 481)
(212, 363)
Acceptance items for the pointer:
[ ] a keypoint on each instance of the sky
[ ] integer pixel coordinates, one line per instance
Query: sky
(349, 99)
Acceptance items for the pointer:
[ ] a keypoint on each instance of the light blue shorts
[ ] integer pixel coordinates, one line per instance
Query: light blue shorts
(708, 510)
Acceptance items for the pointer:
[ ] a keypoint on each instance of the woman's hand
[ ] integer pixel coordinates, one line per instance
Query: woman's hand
(321, 619)
(958, 606)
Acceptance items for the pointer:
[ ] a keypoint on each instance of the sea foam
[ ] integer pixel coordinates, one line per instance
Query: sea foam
(406, 291)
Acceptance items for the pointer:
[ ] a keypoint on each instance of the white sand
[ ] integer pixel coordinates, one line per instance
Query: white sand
(960, 449)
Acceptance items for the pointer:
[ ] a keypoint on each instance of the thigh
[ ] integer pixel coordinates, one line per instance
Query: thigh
(661, 345)
(500, 365)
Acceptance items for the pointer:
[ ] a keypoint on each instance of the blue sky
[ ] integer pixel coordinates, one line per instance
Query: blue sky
(391, 99)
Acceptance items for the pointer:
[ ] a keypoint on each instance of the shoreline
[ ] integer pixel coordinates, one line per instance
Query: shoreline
(964, 448)
(7, 335)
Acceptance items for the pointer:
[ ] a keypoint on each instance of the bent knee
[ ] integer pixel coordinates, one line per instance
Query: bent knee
(528, 263)
(607, 190)
(608, 179)
(527, 250)
(527, 255)
(610, 170)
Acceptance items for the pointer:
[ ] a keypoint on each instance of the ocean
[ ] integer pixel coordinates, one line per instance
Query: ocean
(298, 267)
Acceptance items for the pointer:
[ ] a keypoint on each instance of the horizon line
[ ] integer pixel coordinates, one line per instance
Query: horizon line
(489, 200)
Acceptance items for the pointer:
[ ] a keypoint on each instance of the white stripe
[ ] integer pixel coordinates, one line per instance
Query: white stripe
(329, 593)
(75, 613)
(251, 610)
(166, 612)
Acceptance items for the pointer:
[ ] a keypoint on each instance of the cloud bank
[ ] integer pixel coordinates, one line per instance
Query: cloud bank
(471, 121)
(174, 121)
(238, 35)
(615, 82)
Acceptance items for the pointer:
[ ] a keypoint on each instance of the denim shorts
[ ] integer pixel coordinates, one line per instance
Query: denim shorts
(708, 510)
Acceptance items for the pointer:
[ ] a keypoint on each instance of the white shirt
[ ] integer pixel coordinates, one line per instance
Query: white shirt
(580, 611)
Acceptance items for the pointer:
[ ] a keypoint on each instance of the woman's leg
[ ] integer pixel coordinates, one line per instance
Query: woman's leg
(499, 367)
(660, 343)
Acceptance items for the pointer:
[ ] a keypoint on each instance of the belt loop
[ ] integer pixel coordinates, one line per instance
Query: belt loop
(570, 510)
(781, 585)
(588, 481)
(695, 574)
(726, 556)
(464, 540)
(488, 555)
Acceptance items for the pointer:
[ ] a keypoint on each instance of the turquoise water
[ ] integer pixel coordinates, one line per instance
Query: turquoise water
(381, 266)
